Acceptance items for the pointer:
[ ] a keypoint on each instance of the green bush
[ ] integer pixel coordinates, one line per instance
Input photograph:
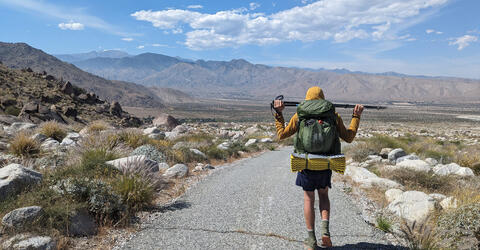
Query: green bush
(384, 224)
(92, 162)
(12, 110)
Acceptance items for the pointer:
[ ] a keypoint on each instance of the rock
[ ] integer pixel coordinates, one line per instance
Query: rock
(250, 142)
(407, 157)
(20, 217)
(14, 178)
(8, 120)
(39, 137)
(252, 130)
(437, 197)
(432, 162)
(266, 140)
(152, 130)
(82, 224)
(384, 152)
(50, 144)
(171, 135)
(116, 109)
(69, 111)
(412, 206)
(73, 136)
(198, 152)
(392, 194)
(452, 168)
(373, 159)
(31, 107)
(3, 146)
(448, 203)
(68, 142)
(17, 126)
(224, 146)
(67, 88)
(180, 129)
(415, 165)
(165, 120)
(163, 166)
(202, 167)
(368, 179)
(178, 171)
(136, 161)
(395, 154)
(150, 151)
(157, 136)
(26, 242)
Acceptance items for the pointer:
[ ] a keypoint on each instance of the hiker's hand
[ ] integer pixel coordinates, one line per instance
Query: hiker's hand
(278, 105)
(357, 111)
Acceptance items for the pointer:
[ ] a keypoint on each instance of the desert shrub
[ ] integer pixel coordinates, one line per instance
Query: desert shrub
(162, 145)
(461, 226)
(376, 143)
(183, 155)
(419, 180)
(92, 161)
(419, 235)
(97, 126)
(360, 151)
(53, 130)
(23, 145)
(199, 137)
(133, 138)
(150, 151)
(384, 224)
(213, 152)
(12, 110)
(106, 141)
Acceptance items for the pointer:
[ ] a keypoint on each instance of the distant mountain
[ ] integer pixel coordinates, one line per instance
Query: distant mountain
(241, 79)
(169, 95)
(92, 54)
(21, 55)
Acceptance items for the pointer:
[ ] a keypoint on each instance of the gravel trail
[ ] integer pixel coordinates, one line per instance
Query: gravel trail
(251, 204)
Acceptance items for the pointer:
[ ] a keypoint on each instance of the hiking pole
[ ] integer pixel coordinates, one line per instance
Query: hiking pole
(336, 105)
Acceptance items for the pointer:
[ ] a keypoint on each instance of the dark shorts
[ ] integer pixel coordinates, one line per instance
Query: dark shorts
(310, 180)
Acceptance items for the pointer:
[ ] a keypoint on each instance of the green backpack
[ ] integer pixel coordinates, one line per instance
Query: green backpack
(317, 133)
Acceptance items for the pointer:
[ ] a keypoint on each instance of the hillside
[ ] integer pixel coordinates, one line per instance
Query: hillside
(21, 55)
(241, 79)
(92, 54)
(38, 97)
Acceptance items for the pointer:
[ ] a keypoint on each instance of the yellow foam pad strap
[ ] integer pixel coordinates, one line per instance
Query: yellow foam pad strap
(299, 162)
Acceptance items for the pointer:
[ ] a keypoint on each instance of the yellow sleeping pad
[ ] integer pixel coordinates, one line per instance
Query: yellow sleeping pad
(299, 162)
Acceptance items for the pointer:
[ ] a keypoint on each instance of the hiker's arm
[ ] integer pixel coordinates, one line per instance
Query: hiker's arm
(282, 131)
(349, 134)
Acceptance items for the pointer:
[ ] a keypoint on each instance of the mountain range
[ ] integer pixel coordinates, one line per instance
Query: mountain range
(242, 79)
(92, 54)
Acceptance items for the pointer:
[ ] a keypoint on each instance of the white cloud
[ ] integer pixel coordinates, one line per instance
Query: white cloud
(159, 45)
(127, 39)
(195, 6)
(71, 26)
(438, 32)
(337, 20)
(254, 6)
(430, 31)
(140, 47)
(463, 41)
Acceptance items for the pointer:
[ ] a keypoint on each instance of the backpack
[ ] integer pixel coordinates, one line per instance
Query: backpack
(317, 133)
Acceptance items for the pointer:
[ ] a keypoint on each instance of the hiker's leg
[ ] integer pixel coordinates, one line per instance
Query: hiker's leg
(324, 203)
(308, 211)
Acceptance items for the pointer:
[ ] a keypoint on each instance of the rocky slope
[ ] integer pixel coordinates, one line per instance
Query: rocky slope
(21, 55)
(39, 97)
(241, 79)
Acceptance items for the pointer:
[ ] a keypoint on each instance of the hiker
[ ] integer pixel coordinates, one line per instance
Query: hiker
(311, 180)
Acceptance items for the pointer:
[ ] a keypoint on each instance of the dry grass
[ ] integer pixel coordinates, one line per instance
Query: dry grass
(53, 130)
(419, 235)
(97, 126)
(422, 181)
(24, 146)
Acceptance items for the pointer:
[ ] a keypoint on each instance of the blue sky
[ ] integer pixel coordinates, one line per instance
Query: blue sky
(427, 37)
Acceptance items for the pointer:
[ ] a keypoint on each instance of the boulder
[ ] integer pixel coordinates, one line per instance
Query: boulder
(28, 242)
(415, 165)
(449, 203)
(437, 197)
(432, 162)
(393, 194)
(384, 152)
(31, 107)
(3, 146)
(252, 130)
(68, 142)
(136, 161)
(177, 171)
(82, 224)
(17, 126)
(150, 151)
(412, 206)
(73, 136)
(163, 166)
(116, 109)
(67, 88)
(407, 157)
(250, 142)
(171, 135)
(266, 140)
(152, 130)
(452, 168)
(69, 111)
(50, 144)
(165, 120)
(202, 167)
(180, 129)
(157, 136)
(198, 152)
(14, 178)
(395, 154)
(20, 217)
(367, 179)
(39, 137)
(224, 146)
(373, 159)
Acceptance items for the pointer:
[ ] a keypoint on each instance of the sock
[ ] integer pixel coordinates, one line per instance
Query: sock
(325, 229)
(311, 233)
